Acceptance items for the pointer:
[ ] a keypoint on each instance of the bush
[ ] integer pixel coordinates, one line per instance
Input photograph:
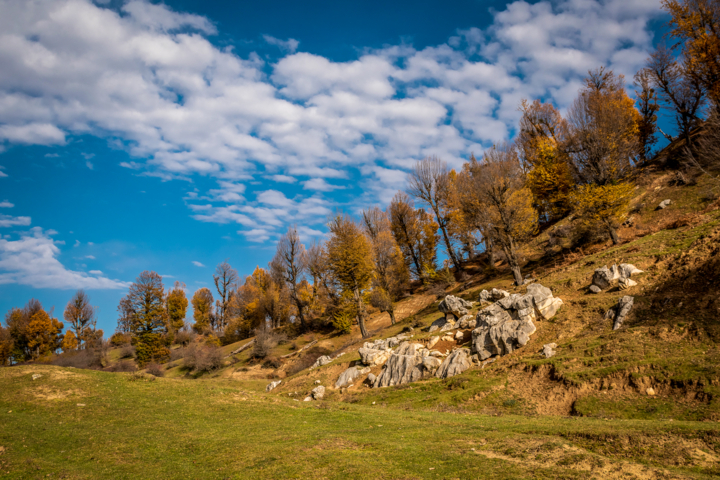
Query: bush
(203, 358)
(272, 362)
(122, 366)
(127, 351)
(212, 340)
(150, 347)
(119, 339)
(155, 370)
(265, 341)
(90, 359)
(184, 337)
(177, 353)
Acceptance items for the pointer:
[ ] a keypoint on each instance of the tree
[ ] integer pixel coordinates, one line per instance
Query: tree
(290, 262)
(647, 101)
(148, 317)
(202, 302)
(225, 278)
(603, 130)
(6, 346)
(69, 342)
(475, 217)
(511, 217)
(125, 314)
(81, 317)
(316, 260)
(18, 321)
(350, 258)
(541, 141)
(695, 24)
(604, 204)
(429, 181)
(176, 304)
(415, 233)
(44, 335)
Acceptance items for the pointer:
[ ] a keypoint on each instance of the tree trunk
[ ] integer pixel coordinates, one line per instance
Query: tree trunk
(301, 316)
(361, 314)
(514, 265)
(613, 234)
(392, 315)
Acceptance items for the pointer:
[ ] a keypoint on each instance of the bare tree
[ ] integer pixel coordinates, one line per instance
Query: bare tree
(290, 263)
(316, 260)
(81, 317)
(429, 181)
(404, 227)
(374, 222)
(226, 279)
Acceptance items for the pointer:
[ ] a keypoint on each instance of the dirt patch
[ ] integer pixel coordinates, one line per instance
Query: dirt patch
(47, 393)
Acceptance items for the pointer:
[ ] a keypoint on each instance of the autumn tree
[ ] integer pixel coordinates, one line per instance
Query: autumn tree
(43, 334)
(695, 26)
(259, 303)
(429, 182)
(225, 279)
(69, 342)
(81, 317)
(203, 312)
(603, 126)
(290, 263)
(541, 141)
(6, 346)
(647, 103)
(176, 304)
(511, 218)
(318, 266)
(603, 205)
(415, 233)
(148, 317)
(350, 256)
(18, 321)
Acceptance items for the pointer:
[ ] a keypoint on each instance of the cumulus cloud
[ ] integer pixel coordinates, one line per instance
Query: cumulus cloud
(149, 76)
(6, 204)
(32, 260)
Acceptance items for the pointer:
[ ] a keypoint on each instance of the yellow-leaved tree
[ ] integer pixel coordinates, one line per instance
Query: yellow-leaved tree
(203, 312)
(43, 333)
(603, 205)
(350, 257)
(69, 342)
(176, 304)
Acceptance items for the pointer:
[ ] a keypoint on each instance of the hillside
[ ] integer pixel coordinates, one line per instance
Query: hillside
(637, 402)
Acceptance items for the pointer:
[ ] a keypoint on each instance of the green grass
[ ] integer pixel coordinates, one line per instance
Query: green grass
(129, 427)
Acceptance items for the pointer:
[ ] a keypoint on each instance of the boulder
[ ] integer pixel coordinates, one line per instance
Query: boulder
(664, 204)
(318, 393)
(372, 357)
(371, 378)
(468, 321)
(433, 341)
(456, 306)
(625, 283)
(449, 325)
(347, 377)
(405, 365)
(620, 311)
(595, 289)
(457, 362)
(605, 277)
(484, 296)
(459, 336)
(496, 294)
(431, 364)
(549, 350)
(324, 360)
(307, 399)
(272, 385)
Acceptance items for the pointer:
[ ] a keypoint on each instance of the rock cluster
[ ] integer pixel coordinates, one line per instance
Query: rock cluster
(324, 360)
(454, 307)
(620, 311)
(507, 324)
(405, 365)
(493, 295)
(455, 363)
(605, 277)
(377, 352)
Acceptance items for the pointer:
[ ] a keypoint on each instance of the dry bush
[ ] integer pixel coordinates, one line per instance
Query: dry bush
(184, 337)
(122, 366)
(177, 353)
(127, 351)
(272, 362)
(589, 234)
(265, 341)
(203, 358)
(91, 359)
(155, 370)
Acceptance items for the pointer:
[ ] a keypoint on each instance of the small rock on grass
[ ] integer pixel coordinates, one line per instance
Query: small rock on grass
(595, 289)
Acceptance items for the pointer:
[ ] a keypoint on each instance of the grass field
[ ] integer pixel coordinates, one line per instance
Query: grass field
(87, 424)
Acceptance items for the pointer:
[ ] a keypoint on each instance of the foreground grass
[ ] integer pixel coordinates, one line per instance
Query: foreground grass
(86, 424)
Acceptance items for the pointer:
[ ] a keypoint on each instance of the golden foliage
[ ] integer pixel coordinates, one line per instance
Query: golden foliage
(177, 304)
(43, 334)
(202, 302)
(69, 342)
(605, 204)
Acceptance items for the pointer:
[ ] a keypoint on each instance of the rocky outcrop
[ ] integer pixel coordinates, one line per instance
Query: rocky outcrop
(404, 366)
(620, 311)
(457, 362)
(492, 296)
(324, 360)
(605, 277)
(454, 306)
(373, 357)
(468, 321)
(318, 393)
(507, 324)
(272, 385)
(347, 377)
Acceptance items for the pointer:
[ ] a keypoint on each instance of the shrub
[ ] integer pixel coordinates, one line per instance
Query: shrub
(150, 347)
(265, 341)
(212, 340)
(203, 358)
(155, 370)
(122, 366)
(119, 339)
(342, 320)
(90, 359)
(127, 351)
(272, 362)
(177, 353)
(184, 337)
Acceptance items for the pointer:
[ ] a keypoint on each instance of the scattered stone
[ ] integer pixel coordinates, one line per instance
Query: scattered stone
(620, 311)
(450, 325)
(549, 350)
(459, 336)
(307, 399)
(318, 392)
(605, 277)
(372, 357)
(371, 378)
(317, 382)
(323, 360)
(650, 391)
(484, 296)
(447, 338)
(664, 204)
(468, 321)
(433, 341)
(457, 362)
(36, 376)
(496, 294)
(454, 306)
(346, 378)
(80, 404)
(625, 283)
(404, 366)
(595, 289)
(365, 370)
(272, 385)
(437, 353)
(434, 328)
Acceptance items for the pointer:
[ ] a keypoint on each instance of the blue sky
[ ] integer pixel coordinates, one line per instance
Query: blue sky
(171, 136)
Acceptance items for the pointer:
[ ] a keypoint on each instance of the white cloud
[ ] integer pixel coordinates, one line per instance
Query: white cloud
(90, 257)
(32, 260)
(197, 264)
(89, 165)
(185, 107)
(6, 204)
(77, 243)
(95, 272)
(289, 45)
(10, 221)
